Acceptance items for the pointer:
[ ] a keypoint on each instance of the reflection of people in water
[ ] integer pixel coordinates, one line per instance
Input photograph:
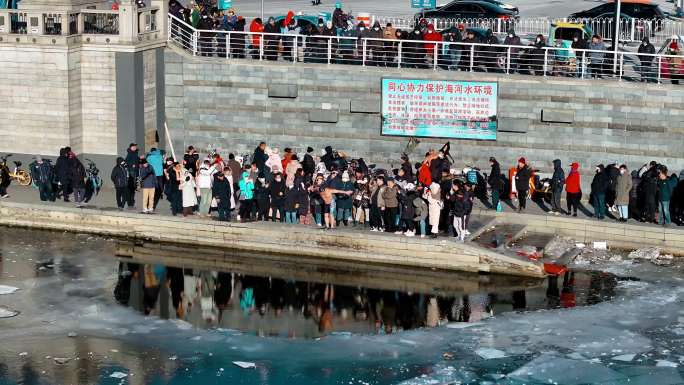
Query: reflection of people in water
(568, 297)
(552, 292)
(519, 300)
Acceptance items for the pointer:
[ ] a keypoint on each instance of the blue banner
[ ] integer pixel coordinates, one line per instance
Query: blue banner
(439, 108)
(423, 3)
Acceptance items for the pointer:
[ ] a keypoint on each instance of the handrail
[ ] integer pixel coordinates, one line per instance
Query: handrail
(536, 60)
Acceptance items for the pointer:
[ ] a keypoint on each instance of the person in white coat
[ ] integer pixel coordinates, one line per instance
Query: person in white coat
(205, 176)
(433, 195)
(187, 187)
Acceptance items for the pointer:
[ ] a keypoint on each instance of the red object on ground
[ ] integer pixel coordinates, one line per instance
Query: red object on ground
(554, 269)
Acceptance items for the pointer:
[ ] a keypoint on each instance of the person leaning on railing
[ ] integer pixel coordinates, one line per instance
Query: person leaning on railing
(596, 58)
(645, 61)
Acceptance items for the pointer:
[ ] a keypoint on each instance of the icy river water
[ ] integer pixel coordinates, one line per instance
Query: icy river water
(72, 312)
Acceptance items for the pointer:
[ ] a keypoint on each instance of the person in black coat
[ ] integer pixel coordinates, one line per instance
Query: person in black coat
(646, 61)
(77, 176)
(557, 183)
(62, 173)
(119, 177)
(271, 41)
(133, 163)
(277, 190)
(221, 190)
(259, 157)
(308, 163)
(496, 182)
(599, 187)
(522, 183)
(648, 192)
(42, 174)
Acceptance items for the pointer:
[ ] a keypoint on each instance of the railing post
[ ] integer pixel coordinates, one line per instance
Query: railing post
(582, 68)
(508, 61)
(622, 64)
(294, 51)
(434, 52)
(472, 57)
(329, 50)
(168, 28)
(194, 42)
(498, 25)
(660, 62)
(228, 45)
(399, 54)
(633, 30)
(363, 53)
(261, 47)
(546, 60)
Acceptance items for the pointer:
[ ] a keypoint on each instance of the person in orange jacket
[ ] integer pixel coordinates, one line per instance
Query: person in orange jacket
(431, 35)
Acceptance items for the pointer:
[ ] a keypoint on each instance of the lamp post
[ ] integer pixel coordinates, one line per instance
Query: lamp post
(616, 38)
(262, 11)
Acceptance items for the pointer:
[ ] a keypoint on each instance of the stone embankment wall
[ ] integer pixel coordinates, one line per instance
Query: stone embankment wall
(235, 104)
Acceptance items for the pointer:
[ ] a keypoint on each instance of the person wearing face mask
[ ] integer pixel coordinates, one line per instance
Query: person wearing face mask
(374, 45)
(271, 41)
(513, 39)
(469, 40)
(490, 52)
(645, 69)
(451, 50)
(431, 35)
(389, 49)
(347, 44)
(623, 188)
(414, 56)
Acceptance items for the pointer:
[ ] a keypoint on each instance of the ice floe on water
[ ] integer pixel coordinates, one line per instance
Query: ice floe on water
(4, 289)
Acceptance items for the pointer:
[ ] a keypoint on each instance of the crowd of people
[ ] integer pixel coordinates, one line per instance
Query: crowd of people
(337, 40)
(425, 198)
(330, 189)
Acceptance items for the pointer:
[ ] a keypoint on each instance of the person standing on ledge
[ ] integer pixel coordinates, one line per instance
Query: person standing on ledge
(148, 183)
(42, 174)
(156, 160)
(132, 161)
(496, 182)
(557, 183)
(666, 186)
(599, 186)
(119, 178)
(573, 189)
(522, 183)
(622, 190)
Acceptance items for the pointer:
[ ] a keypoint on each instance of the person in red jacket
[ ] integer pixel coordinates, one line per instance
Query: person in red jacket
(573, 189)
(431, 35)
(257, 26)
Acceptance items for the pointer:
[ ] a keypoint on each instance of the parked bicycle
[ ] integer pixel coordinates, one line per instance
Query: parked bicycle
(21, 176)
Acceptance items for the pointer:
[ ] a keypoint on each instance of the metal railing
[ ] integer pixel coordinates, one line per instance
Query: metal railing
(100, 22)
(631, 30)
(429, 55)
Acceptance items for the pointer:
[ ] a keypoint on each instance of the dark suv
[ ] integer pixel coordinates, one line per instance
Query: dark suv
(470, 9)
(635, 8)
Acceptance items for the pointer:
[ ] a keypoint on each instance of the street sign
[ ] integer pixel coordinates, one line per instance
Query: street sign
(423, 3)
(225, 4)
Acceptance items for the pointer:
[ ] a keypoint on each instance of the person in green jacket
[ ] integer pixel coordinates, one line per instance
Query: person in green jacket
(195, 16)
(666, 186)
(246, 197)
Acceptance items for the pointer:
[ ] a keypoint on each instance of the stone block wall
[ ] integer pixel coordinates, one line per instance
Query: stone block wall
(226, 105)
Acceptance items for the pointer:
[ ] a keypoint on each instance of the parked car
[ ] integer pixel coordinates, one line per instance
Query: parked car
(501, 4)
(469, 9)
(640, 9)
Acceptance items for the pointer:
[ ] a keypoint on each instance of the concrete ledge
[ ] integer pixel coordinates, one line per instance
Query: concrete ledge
(273, 239)
(288, 91)
(323, 116)
(364, 106)
(557, 116)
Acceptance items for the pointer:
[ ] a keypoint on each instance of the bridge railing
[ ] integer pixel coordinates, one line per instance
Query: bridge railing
(428, 55)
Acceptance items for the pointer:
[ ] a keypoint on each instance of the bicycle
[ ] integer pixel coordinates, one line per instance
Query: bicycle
(21, 176)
